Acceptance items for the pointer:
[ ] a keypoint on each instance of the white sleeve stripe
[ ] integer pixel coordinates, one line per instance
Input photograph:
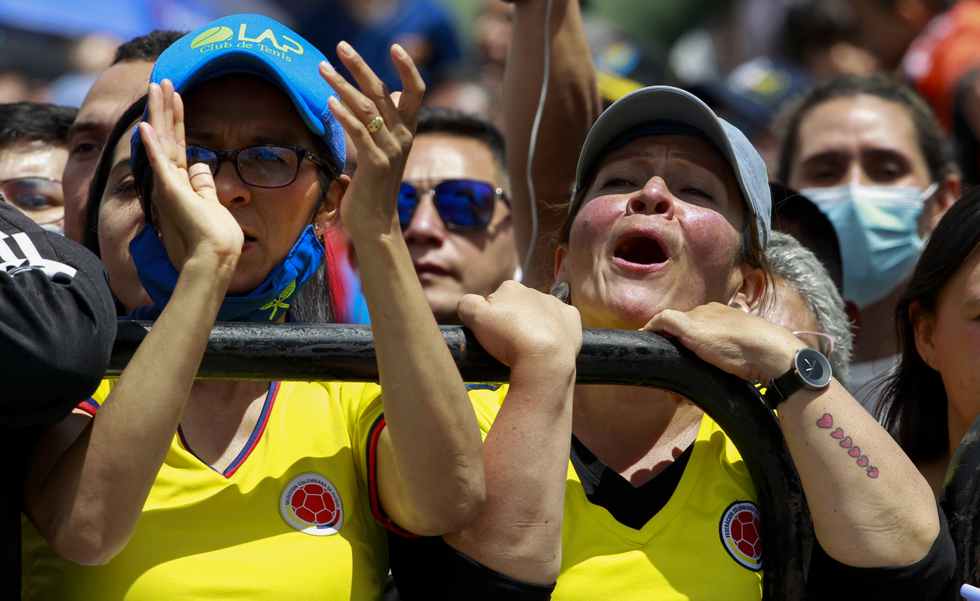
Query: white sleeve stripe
(6, 255)
(11, 263)
(27, 247)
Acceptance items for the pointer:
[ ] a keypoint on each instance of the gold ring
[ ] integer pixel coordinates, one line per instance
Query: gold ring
(375, 124)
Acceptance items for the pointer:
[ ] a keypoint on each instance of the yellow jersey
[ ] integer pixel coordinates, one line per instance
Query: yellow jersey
(703, 544)
(288, 519)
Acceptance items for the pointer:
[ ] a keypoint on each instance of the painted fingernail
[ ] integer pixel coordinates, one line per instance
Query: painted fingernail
(345, 49)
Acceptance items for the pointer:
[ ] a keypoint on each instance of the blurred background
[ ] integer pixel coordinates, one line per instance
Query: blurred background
(746, 57)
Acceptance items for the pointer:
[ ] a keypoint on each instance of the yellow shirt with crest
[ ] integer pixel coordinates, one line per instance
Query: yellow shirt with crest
(703, 544)
(290, 517)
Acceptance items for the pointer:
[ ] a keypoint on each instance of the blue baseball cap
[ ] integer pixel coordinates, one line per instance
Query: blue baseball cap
(255, 45)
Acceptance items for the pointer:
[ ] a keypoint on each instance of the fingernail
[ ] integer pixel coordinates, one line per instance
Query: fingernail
(327, 67)
(399, 50)
(345, 49)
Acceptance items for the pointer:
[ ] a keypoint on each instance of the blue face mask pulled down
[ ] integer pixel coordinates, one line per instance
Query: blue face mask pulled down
(268, 301)
(878, 229)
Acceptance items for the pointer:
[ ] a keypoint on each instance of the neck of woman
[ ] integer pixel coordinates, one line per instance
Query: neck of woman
(220, 415)
(635, 431)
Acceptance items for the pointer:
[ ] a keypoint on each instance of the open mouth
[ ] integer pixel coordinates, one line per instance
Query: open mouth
(640, 250)
(430, 269)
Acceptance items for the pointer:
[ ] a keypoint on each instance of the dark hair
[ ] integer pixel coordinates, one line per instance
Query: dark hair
(933, 143)
(439, 120)
(147, 47)
(796, 215)
(814, 25)
(35, 122)
(124, 126)
(913, 406)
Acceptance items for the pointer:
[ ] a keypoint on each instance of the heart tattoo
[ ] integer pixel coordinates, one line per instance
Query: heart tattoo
(826, 422)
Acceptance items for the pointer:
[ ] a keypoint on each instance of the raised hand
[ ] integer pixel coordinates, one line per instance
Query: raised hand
(517, 325)
(382, 130)
(745, 345)
(188, 213)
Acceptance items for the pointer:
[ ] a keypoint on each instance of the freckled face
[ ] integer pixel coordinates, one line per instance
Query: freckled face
(659, 228)
(237, 111)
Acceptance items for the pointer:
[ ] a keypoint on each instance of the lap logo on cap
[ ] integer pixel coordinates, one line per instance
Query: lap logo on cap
(216, 38)
(311, 504)
(741, 534)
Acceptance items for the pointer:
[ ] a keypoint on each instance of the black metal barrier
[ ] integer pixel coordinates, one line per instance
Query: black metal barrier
(342, 352)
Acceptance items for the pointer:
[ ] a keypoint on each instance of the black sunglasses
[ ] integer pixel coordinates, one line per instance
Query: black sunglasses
(463, 204)
(264, 166)
(32, 193)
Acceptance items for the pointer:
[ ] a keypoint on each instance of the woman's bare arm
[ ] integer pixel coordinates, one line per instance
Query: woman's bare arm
(572, 104)
(86, 500)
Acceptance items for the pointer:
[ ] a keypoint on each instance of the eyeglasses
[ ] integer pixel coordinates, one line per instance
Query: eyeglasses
(818, 341)
(462, 204)
(260, 166)
(33, 193)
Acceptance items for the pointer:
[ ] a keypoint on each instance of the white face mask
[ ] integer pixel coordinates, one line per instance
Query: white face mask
(878, 230)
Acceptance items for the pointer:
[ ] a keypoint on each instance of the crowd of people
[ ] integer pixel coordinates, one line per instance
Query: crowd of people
(803, 222)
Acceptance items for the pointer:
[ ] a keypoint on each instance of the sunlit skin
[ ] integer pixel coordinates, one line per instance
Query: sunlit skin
(453, 263)
(238, 111)
(677, 189)
(120, 219)
(37, 159)
(118, 87)
(949, 342)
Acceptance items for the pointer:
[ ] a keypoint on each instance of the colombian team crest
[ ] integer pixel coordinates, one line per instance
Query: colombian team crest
(740, 530)
(311, 504)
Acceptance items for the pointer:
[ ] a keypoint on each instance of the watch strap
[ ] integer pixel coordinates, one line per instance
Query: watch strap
(783, 387)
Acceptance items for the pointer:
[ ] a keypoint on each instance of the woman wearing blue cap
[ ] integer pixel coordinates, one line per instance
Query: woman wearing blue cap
(618, 492)
(172, 488)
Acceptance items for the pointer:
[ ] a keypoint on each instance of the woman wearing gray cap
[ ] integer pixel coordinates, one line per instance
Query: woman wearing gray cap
(636, 494)
(175, 489)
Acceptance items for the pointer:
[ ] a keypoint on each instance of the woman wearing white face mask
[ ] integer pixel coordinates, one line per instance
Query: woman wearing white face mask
(871, 155)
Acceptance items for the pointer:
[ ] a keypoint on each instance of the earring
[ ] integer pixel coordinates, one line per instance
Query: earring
(561, 291)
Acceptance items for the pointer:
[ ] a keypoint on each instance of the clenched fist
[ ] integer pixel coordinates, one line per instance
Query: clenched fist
(519, 326)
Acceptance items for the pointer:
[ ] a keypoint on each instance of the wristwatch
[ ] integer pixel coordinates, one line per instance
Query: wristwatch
(810, 370)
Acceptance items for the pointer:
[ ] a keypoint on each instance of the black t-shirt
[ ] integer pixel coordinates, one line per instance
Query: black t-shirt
(428, 568)
(57, 326)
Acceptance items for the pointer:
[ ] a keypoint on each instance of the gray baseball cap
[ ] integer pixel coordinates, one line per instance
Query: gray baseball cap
(666, 104)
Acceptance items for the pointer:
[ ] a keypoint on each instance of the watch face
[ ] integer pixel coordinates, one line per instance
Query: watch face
(813, 368)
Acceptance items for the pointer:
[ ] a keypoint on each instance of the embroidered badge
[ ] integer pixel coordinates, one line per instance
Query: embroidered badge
(311, 504)
(740, 530)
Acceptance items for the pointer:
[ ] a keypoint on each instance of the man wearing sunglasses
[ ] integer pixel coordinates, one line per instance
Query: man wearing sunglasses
(454, 209)
(33, 151)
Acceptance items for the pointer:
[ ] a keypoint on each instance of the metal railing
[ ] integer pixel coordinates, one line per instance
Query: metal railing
(344, 352)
